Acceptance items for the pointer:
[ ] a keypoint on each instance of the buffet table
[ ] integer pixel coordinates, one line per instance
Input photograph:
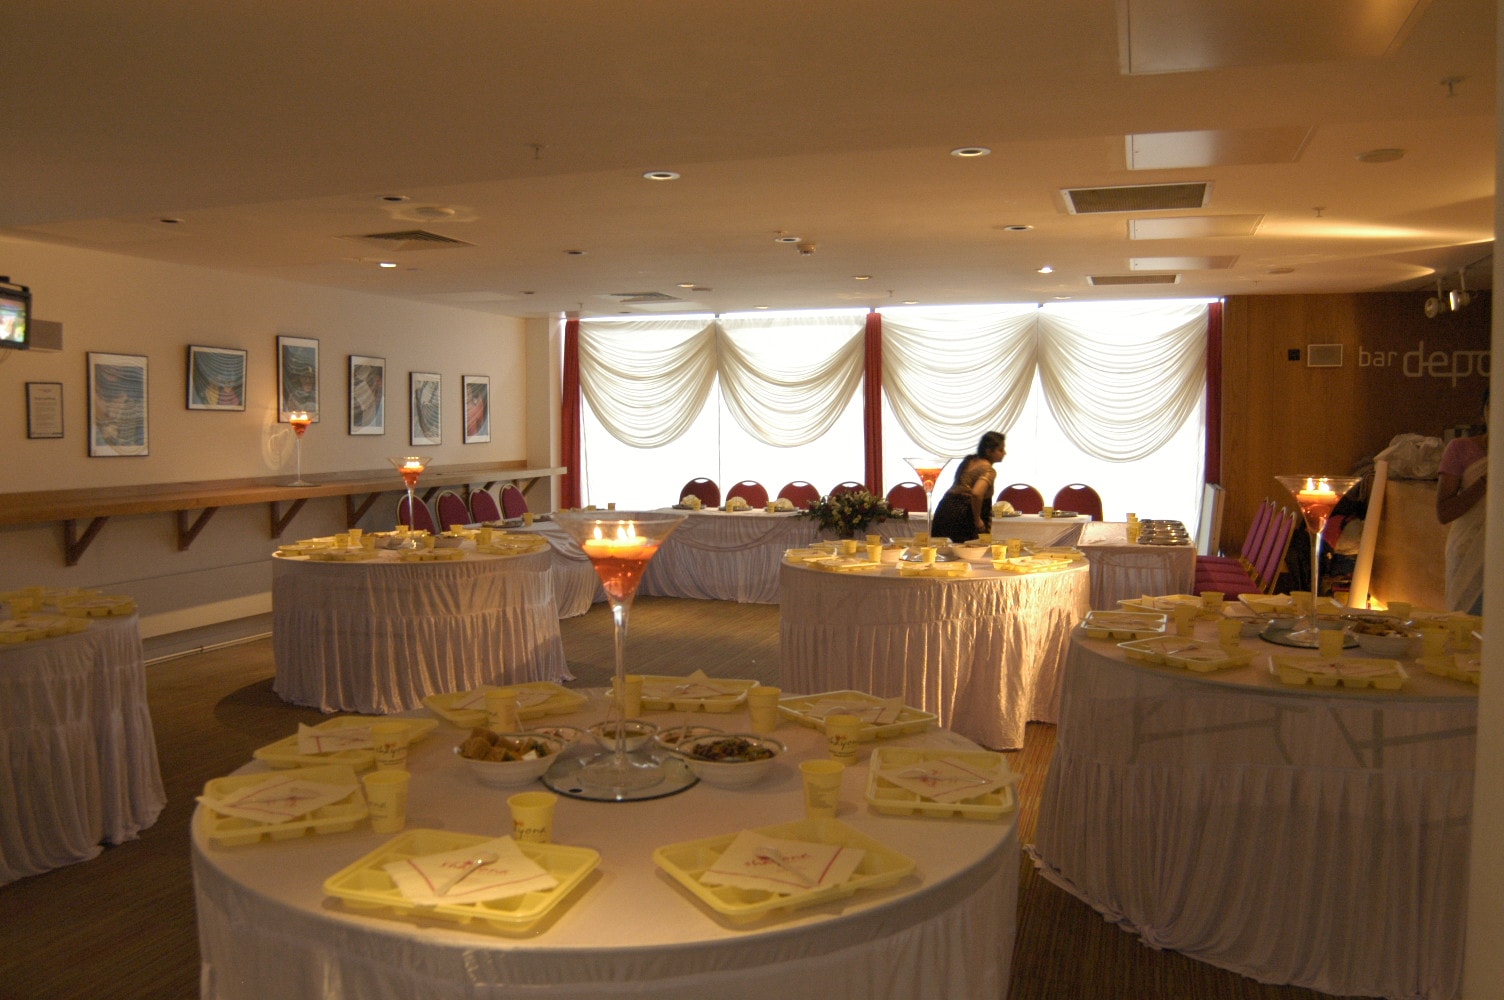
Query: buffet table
(1308, 836)
(379, 635)
(983, 651)
(266, 929)
(1121, 570)
(80, 757)
(1035, 530)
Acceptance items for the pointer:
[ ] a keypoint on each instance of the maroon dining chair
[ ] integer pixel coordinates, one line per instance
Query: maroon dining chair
(513, 503)
(421, 518)
(1024, 498)
(800, 493)
(452, 510)
(910, 496)
(483, 507)
(846, 487)
(708, 492)
(750, 491)
(1080, 498)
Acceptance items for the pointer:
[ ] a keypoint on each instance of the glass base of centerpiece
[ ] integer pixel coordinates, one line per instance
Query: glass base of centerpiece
(642, 774)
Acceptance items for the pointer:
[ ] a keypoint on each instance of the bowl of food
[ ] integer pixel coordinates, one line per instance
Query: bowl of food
(669, 739)
(503, 759)
(730, 760)
(636, 733)
(569, 734)
(1384, 637)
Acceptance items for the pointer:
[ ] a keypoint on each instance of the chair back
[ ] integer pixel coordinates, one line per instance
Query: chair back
(422, 517)
(483, 506)
(452, 510)
(750, 491)
(708, 492)
(1266, 570)
(800, 494)
(513, 503)
(909, 496)
(1080, 498)
(1024, 498)
(846, 487)
(1254, 540)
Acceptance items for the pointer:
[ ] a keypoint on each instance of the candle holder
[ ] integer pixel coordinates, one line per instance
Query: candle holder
(410, 467)
(619, 545)
(1316, 496)
(928, 469)
(300, 419)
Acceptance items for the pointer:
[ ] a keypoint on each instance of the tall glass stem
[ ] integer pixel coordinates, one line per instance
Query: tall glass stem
(411, 519)
(298, 451)
(1315, 573)
(620, 609)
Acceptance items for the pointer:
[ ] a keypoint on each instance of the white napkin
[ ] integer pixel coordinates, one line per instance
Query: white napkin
(314, 740)
(425, 880)
(756, 861)
(696, 685)
(946, 779)
(476, 700)
(880, 712)
(279, 799)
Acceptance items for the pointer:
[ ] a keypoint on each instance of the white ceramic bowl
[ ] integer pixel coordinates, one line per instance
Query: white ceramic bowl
(670, 738)
(504, 773)
(638, 731)
(733, 773)
(569, 734)
(1388, 647)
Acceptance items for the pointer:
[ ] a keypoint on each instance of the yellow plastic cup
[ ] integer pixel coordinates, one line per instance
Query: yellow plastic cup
(822, 787)
(501, 709)
(762, 706)
(386, 795)
(533, 816)
(389, 740)
(842, 735)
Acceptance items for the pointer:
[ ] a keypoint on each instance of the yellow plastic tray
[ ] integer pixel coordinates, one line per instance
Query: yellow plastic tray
(96, 605)
(365, 885)
(31, 627)
(710, 703)
(1200, 655)
(1123, 624)
(232, 831)
(1297, 671)
(890, 799)
(341, 555)
(685, 862)
(910, 720)
(431, 555)
(560, 701)
(1458, 666)
(284, 752)
(1033, 564)
(1270, 604)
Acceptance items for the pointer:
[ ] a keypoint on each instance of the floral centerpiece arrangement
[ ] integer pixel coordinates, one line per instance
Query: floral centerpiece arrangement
(851, 513)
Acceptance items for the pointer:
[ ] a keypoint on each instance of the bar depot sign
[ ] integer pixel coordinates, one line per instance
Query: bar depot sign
(1453, 365)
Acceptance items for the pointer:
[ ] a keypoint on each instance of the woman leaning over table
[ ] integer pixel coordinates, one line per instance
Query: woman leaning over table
(966, 509)
(1461, 484)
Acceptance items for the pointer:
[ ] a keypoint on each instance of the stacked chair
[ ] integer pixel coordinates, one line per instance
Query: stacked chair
(750, 491)
(1255, 569)
(1024, 498)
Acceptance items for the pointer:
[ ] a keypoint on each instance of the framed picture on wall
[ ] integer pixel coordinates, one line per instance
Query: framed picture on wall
(424, 408)
(117, 405)
(44, 410)
(297, 377)
(216, 378)
(367, 395)
(477, 402)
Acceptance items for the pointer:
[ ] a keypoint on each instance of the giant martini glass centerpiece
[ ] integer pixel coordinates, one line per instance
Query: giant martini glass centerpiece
(410, 467)
(928, 469)
(619, 544)
(1316, 496)
(299, 419)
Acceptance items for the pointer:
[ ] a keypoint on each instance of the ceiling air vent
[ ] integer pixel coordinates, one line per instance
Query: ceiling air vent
(1136, 198)
(410, 239)
(1134, 279)
(643, 298)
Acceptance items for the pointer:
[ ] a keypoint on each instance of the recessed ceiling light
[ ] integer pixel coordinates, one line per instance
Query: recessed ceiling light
(862, 277)
(661, 175)
(394, 197)
(1047, 269)
(575, 253)
(785, 238)
(911, 302)
(966, 152)
(1381, 155)
(168, 220)
(1016, 228)
(759, 307)
(686, 284)
(387, 263)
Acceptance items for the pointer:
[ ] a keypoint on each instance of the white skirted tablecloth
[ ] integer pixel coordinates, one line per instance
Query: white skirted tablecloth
(576, 585)
(377, 636)
(1121, 569)
(983, 652)
(80, 757)
(1315, 837)
(266, 928)
(1031, 529)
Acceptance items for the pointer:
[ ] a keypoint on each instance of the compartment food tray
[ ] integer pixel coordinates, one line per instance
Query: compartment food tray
(452, 708)
(910, 720)
(1033, 564)
(284, 752)
(1123, 624)
(704, 703)
(1351, 672)
(232, 831)
(365, 885)
(1458, 666)
(894, 800)
(1284, 604)
(1200, 655)
(1167, 604)
(685, 862)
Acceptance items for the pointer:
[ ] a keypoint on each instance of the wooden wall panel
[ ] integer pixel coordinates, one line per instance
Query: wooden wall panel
(1400, 373)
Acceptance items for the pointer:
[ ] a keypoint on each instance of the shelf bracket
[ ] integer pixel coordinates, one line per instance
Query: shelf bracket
(75, 544)
(187, 533)
(354, 512)
(279, 520)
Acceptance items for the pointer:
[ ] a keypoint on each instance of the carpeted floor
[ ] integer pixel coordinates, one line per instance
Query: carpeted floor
(122, 925)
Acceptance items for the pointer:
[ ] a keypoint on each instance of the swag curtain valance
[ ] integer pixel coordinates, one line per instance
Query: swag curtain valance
(1120, 378)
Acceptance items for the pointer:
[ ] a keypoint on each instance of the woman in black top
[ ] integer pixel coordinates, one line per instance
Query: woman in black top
(966, 509)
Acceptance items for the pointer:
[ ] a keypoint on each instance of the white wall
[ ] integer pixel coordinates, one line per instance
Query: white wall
(123, 305)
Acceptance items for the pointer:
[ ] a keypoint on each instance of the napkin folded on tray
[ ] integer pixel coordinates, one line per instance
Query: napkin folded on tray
(945, 779)
(311, 739)
(279, 799)
(455, 877)
(879, 712)
(696, 685)
(757, 861)
(476, 700)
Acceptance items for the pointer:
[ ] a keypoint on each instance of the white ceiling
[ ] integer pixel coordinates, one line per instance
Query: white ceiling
(273, 131)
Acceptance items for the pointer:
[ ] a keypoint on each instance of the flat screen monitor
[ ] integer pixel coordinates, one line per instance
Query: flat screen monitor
(15, 317)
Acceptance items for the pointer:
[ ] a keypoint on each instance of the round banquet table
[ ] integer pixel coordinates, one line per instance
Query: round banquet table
(983, 651)
(1298, 835)
(77, 743)
(576, 585)
(267, 930)
(1121, 570)
(377, 636)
